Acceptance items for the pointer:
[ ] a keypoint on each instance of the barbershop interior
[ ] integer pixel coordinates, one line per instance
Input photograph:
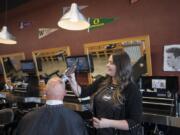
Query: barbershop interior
(117, 64)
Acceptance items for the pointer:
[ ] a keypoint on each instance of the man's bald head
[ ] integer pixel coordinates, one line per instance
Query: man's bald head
(55, 89)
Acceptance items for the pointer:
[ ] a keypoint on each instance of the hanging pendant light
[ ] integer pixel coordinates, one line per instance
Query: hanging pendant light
(5, 36)
(73, 20)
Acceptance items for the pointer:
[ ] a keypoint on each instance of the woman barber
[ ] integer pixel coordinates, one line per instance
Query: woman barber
(117, 102)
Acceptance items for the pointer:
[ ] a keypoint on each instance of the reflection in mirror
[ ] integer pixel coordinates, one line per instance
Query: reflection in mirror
(1, 77)
(138, 49)
(50, 62)
(11, 64)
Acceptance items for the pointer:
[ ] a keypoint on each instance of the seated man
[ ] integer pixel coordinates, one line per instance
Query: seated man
(52, 118)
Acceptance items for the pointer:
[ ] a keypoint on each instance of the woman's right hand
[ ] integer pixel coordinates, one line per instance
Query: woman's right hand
(72, 79)
(74, 85)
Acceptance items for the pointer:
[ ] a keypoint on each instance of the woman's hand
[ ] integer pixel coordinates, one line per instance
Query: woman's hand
(72, 78)
(109, 123)
(101, 123)
(74, 85)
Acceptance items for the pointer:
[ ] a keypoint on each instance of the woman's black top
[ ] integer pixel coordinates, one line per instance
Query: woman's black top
(103, 107)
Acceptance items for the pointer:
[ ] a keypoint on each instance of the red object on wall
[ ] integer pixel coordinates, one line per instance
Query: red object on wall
(133, 1)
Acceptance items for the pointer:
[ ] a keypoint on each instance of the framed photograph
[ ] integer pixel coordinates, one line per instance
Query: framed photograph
(172, 57)
(159, 83)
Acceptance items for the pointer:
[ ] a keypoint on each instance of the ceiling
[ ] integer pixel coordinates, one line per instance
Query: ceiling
(15, 3)
(11, 4)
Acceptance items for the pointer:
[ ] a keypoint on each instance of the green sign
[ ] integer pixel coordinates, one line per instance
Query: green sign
(99, 22)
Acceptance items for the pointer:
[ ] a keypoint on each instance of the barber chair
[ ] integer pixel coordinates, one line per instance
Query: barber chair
(6, 119)
(2, 102)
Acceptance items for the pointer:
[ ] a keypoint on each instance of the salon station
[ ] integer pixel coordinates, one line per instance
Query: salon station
(42, 39)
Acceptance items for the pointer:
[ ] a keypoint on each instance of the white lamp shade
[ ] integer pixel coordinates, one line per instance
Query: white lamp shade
(73, 19)
(6, 37)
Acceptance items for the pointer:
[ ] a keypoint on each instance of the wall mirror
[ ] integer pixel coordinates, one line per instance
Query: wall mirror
(138, 49)
(49, 62)
(1, 77)
(11, 66)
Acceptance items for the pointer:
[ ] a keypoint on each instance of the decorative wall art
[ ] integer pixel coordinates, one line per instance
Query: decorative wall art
(172, 57)
(45, 31)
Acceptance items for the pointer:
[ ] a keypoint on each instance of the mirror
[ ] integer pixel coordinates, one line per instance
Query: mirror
(11, 65)
(138, 49)
(2, 82)
(49, 62)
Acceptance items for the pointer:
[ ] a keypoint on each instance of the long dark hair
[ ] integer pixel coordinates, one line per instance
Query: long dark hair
(123, 74)
(123, 77)
(123, 67)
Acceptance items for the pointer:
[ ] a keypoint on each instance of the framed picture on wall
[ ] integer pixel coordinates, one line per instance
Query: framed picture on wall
(172, 57)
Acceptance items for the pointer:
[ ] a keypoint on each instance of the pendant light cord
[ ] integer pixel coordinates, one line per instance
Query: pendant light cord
(5, 23)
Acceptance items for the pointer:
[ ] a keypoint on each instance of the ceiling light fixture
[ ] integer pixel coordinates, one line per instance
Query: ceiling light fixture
(73, 20)
(5, 36)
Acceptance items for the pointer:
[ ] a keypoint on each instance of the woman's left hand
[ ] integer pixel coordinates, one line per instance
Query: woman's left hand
(101, 123)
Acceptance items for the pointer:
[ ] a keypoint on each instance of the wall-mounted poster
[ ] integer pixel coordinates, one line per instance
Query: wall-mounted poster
(172, 57)
(159, 83)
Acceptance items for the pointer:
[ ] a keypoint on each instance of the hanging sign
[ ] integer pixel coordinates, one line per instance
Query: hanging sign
(99, 22)
(24, 23)
(46, 31)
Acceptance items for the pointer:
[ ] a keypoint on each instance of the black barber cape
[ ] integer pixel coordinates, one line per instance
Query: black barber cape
(51, 120)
